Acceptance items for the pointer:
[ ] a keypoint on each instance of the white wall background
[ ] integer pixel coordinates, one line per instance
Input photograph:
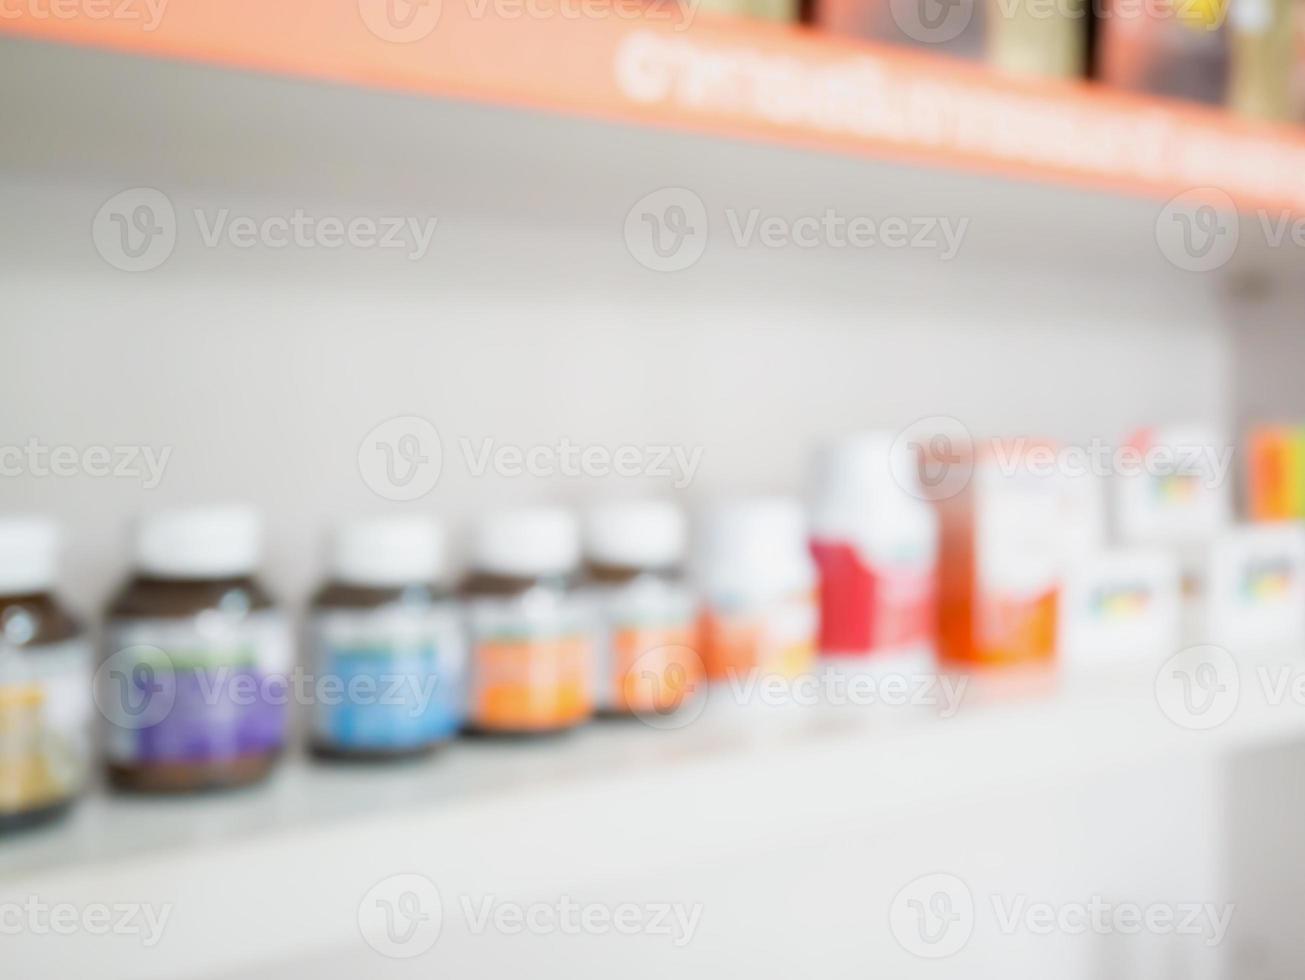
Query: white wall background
(529, 322)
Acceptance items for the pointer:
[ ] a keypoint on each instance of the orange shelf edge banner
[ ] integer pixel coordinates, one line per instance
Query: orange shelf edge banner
(630, 61)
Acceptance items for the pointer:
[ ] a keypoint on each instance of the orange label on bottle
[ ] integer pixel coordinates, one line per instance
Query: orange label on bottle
(1017, 629)
(532, 684)
(779, 640)
(654, 669)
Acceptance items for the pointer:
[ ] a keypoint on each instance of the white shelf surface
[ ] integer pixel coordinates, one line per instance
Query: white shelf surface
(278, 871)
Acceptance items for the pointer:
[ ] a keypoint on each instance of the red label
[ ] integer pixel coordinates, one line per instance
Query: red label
(867, 609)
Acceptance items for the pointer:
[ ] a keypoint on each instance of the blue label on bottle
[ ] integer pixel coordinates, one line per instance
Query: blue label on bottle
(388, 680)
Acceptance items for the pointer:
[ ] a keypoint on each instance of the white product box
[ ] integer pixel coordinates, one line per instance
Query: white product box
(1255, 595)
(1121, 605)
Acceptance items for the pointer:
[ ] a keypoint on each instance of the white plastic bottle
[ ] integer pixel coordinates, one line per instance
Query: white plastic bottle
(648, 662)
(875, 541)
(758, 584)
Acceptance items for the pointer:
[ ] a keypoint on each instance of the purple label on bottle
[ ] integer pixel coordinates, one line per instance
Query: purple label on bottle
(210, 689)
(216, 715)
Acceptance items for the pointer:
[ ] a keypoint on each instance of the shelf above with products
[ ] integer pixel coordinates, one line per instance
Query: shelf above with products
(729, 78)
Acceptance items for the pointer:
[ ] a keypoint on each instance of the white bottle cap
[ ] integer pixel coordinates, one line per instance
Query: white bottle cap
(29, 555)
(758, 543)
(860, 473)
(867, 462)
(530, 542)
(636, 534)
(201, 542)
(388, 551)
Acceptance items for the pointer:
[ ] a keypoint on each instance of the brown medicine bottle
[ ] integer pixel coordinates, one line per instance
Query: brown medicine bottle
(386, 643)
(647, 640)
(194, 678)
(532, 650)
(45, 682)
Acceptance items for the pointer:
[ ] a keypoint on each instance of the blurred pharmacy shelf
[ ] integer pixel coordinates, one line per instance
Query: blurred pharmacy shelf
(720, 77)
(247, 879)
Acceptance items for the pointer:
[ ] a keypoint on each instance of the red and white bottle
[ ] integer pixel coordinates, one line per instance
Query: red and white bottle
(875, 542)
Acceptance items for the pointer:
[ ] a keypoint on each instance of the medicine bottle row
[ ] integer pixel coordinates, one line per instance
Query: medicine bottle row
(191, 680)
(196, 675)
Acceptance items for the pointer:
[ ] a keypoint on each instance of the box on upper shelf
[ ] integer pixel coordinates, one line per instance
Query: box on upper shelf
(1025, 37)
